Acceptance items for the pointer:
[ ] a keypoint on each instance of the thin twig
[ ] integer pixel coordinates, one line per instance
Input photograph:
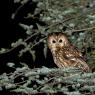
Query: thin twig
(45, 83)
(38, 42)
(90, 28)
(31, 36)
(59, 22)
(19, 8)
(19, 83)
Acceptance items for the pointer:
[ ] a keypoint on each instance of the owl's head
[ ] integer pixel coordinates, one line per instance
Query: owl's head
(57, 40)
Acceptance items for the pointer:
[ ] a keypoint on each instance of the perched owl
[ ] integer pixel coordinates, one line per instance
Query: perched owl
(64, 53)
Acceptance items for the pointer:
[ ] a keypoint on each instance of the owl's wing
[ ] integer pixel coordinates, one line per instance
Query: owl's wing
(71, 52)
(75, 58)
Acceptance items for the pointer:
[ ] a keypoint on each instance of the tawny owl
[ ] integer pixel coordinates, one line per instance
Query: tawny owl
(64, 53)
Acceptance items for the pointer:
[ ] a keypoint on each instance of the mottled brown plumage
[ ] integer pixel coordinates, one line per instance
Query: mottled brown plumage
(64, 53)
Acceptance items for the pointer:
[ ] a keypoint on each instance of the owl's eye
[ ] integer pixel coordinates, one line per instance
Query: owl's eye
(60, 41)
(53, 41)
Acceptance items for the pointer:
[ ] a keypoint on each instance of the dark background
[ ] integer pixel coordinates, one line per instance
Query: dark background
(11, 31)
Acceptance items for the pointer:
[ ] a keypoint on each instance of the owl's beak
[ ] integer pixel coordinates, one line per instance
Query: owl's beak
(57, 46)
